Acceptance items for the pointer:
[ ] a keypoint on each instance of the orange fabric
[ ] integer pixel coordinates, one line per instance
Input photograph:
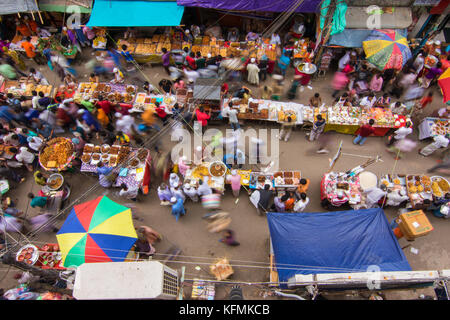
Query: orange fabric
(303, 187)
(23, 30)
(33, 25)
(29, 49)
(102, 117)
(148, 116)
(289, 204)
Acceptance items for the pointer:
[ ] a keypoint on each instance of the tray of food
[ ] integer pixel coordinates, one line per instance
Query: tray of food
(134, 163)
(58, 153)
(217, 169)
(28, 254)
(95, 159)
(419, 189)
(440, 127)
(142, 154)
(286, 178)
(105, 148)
(55, 181)
(439, 186)
(200, 171)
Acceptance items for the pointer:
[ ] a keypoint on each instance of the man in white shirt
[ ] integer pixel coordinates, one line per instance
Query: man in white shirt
(398, 107)
(232, 117)
(373, 195)
(419, 62)
(35, 143)
(26, 158)
(369, 101)
(395, 198)
(301, 204)
(37, 77)
(344, 60)
(191, 192)
(35, 100)
(440, 141)
(204, 189)
(275, 39)
(129, 192)
(48, 117)
(401, 133)
(43, 33)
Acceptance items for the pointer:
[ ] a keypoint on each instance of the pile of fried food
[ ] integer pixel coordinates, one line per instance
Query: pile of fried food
(57, 153)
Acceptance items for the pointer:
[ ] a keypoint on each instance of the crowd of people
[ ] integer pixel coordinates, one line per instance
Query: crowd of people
(28, 123)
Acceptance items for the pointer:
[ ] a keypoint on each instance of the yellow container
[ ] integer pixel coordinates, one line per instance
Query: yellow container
(414, 224)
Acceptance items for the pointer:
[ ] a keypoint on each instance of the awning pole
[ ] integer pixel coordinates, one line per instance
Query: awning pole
(39, 12)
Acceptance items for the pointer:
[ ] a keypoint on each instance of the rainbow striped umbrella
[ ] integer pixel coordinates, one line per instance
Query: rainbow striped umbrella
(444, 83)
(99, 230)
(387, 49)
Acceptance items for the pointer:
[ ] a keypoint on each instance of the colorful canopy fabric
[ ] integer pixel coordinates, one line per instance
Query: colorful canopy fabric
(99, 230)
(387, 49)
(444, 83)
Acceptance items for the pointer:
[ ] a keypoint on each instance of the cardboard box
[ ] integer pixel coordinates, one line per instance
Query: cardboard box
(414, 224)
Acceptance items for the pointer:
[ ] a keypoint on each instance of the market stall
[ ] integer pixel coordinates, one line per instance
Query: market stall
(144, 101)
(245, 177)
(269, 110)
(46, 257)
(57, 155)
(22, 87)
(149, 50)
(114, 92)
(420, 191)
(338, 189)
(431, 127)
(215, 171)
(132, 165)
(348, 120)
(394, 183)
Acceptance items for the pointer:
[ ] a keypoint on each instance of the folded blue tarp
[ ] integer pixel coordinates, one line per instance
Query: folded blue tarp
(334, 242)
(135, 13)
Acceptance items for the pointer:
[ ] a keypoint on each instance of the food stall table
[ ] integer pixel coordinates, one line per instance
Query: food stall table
(114, 92)
(245, 176)
(332, 183)
(385, 120)
(131, 165)
(430, 127)
(286, 180)
(216, 181)
(144, 101)
(419, 188)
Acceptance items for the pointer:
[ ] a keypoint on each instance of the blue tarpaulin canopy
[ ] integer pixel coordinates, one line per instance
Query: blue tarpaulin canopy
(135, 13)
(334, 242)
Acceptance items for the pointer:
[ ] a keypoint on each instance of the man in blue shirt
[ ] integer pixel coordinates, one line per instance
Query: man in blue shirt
(283, 63)
(177, 207)
(90, 120)
(6, 114)
(103, 173)
(43, 100)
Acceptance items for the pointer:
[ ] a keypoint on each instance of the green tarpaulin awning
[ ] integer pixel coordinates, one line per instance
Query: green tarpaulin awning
(135, 13)
(67, 6)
